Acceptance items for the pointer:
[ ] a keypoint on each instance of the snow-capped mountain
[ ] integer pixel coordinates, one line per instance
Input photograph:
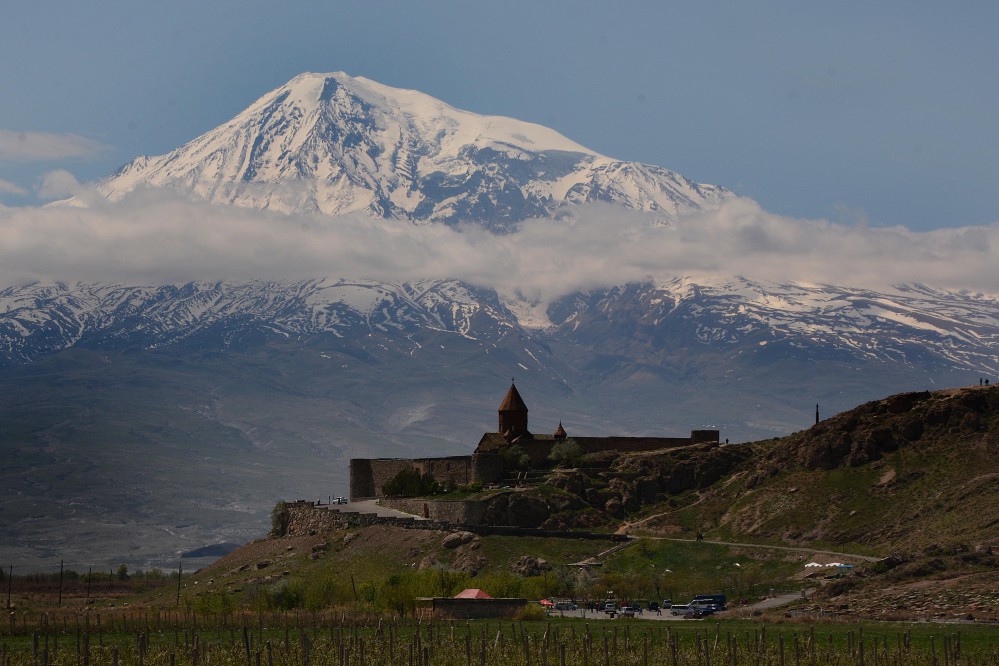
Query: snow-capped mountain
(213, 400)
(332, 143)
(912, 325)
(42, 319)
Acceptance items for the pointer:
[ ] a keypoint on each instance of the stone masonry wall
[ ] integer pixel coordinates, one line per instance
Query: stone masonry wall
(368, 476)
(477, 608)
(456, 512)
(308, 518)
(539, 449)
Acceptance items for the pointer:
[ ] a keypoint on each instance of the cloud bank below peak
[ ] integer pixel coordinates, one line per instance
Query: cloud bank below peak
(154, 237)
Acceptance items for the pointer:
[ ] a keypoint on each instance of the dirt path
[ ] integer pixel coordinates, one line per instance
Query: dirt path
(372, 506)
(793, 549)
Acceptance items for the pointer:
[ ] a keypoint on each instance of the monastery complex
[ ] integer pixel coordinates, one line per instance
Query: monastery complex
(487, 464)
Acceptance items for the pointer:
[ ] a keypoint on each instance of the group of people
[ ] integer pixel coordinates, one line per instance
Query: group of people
(980, 382)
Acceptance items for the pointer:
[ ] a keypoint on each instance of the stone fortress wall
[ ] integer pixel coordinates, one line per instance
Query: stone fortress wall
(304, 518)
(369, 475)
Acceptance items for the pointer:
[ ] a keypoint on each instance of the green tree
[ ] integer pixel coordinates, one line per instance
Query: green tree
(447, 580)
(398, 594)
(502, 584)
(216, 604)
(566, 453)
(515, 457)
(320, 593)
(566, 582)
(409, 482)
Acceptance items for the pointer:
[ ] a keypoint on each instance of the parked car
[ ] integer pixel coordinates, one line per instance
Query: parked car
(678, 609)
(565, 606)
(610, 607)
(693, 614)
(630, 610)
(653, 606)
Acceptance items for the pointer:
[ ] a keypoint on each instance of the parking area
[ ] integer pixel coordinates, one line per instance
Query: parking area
(600, 615)
(665, 614)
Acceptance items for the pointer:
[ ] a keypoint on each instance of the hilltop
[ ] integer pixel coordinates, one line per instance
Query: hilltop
(908, 484)
(900, 474)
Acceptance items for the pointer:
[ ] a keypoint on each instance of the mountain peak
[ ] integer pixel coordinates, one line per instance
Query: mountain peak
(333, 143)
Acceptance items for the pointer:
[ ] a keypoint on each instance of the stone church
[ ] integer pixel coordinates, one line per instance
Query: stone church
(486, 463)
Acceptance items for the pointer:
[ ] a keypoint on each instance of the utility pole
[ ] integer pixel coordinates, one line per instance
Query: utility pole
(60, 582)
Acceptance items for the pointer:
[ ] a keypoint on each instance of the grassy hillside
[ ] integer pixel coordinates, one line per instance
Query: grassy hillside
(896, 475)
(913, 476)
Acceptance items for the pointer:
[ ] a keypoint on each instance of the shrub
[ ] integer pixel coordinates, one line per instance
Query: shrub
(286, 596)
(530, 612)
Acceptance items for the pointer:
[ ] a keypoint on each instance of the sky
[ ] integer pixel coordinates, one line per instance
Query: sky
(842, 123)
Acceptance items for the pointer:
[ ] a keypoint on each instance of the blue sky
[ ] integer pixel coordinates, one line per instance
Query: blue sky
(860, 113)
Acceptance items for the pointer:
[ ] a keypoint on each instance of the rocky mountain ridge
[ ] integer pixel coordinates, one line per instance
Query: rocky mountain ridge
(913, 325)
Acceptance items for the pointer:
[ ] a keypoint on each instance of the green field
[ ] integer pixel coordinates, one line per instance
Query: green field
(348, 639)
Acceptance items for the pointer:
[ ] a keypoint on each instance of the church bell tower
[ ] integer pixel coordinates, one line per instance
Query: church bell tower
(512, 415)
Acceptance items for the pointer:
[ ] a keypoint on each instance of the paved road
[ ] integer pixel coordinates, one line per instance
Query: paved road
(779, 600)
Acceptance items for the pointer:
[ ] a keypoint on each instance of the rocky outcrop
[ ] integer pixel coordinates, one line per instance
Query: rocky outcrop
(528, 509)
(865, 434)
(530, 566)
(455, 539)
(671, 472)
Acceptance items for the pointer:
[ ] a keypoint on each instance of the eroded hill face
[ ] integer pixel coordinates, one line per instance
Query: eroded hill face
(903, 474)
(908, 473)
(966, 418)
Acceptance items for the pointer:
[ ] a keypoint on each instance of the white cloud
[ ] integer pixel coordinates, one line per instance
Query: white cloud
(154, 238)
(40, 146)
(8, 187)
(57, 184)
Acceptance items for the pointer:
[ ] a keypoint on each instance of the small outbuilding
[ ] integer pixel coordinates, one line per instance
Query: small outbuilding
(473, 593)
(475, 603)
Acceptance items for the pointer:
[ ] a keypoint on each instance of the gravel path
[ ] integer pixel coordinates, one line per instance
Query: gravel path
(794, 549)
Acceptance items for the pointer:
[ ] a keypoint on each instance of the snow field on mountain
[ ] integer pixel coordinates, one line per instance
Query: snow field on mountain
(334, 144)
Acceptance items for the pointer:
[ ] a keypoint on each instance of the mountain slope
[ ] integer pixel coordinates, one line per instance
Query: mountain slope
(333, 144)
(904, 474)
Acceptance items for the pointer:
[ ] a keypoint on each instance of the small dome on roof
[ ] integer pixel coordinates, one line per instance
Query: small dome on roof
(559, 432)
